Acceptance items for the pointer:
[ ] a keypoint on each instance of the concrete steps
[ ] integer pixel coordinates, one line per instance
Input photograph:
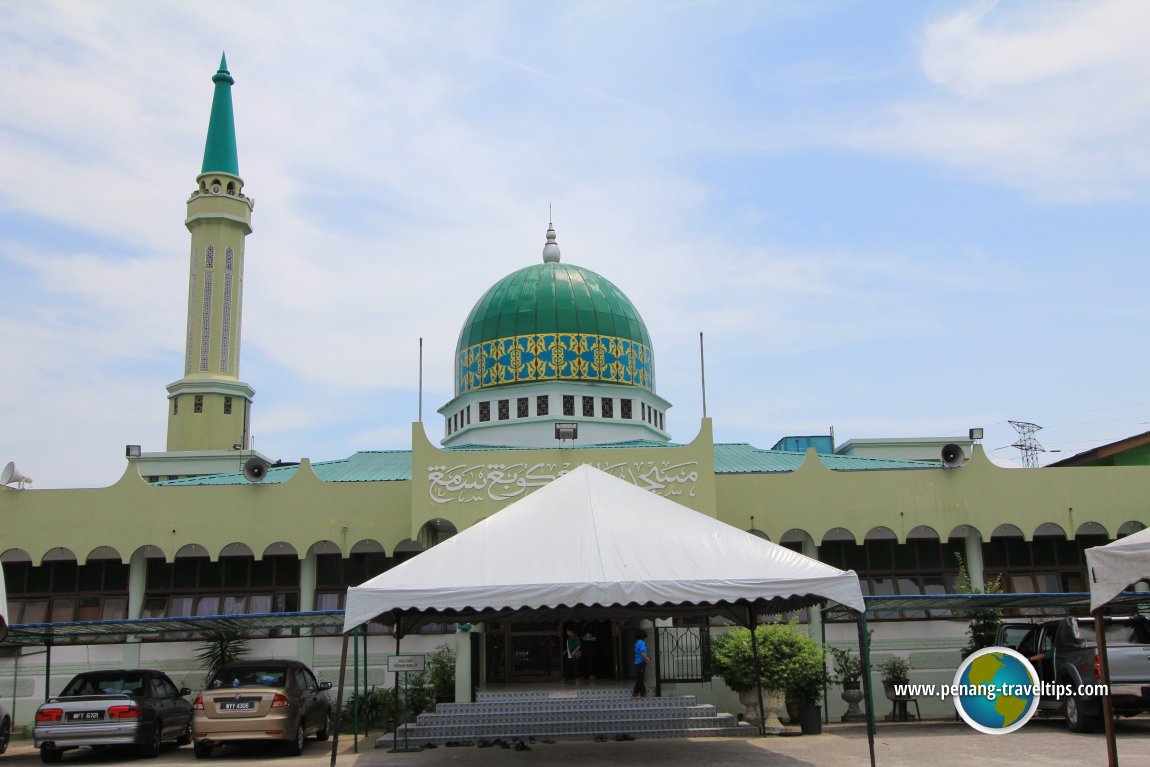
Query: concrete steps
(575, 714)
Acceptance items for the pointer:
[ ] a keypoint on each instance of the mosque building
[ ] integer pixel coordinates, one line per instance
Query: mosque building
(554, 368)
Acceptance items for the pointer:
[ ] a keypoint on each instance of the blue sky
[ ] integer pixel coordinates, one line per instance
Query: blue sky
(896, 219)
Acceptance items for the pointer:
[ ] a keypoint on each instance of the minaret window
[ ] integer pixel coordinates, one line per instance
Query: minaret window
(589, 407)
(206, 322)
(226, 321)
(198, 404)
(227, 405)
(542, 404)
(504, 409)
(210, 257)
(484, 411)
(625, 409)
(229, 258)
(468, 411)
(175, 405)
(192, 294)
(568, 404)
(607, 407)
(522, 407)
(643, 411)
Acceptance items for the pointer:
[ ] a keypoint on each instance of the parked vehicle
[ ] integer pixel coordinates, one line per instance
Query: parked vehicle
(277, 700)
(138, 707)
(5, 728)
(1064, 652)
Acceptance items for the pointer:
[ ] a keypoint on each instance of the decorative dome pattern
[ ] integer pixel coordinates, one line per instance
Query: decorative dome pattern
(553, 322)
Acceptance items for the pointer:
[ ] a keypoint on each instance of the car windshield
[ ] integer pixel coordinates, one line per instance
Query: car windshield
(254, 676)
(106, 684)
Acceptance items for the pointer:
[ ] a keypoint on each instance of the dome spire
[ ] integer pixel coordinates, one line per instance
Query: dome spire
(551, 249)
(220, 148)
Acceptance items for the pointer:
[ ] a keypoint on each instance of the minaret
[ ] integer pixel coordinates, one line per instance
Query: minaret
(210, 407)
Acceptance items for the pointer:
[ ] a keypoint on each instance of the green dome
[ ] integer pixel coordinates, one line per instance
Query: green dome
(553, 321)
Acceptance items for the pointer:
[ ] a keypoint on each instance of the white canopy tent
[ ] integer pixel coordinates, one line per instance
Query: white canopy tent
(1116, 565)
(1112, 568)
(590, 540)
(592, 544)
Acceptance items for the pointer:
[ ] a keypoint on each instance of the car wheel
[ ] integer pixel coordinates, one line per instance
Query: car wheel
(202, 750)
(1076, 720)
(155, 743)
(324, 732)
(185, 736)
(5, 734)
(295, 747)
(50, 755)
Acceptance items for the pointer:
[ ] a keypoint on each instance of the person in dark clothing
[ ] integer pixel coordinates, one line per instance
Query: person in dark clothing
(572, 656)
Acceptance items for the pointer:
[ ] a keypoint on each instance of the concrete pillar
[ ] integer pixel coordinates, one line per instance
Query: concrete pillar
(973, 556)
(463, 663)
(815, 624)
(137, 583)
(305, 645)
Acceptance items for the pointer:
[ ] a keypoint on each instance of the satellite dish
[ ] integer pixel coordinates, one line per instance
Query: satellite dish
(255, 469)
(11, 474)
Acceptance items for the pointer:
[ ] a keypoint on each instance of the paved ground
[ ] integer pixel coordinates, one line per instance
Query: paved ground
(934, 743)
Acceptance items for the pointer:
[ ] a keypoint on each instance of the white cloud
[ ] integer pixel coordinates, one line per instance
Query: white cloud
(1046, 97)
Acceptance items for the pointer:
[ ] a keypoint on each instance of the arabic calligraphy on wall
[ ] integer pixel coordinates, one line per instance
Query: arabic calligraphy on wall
(499, 482)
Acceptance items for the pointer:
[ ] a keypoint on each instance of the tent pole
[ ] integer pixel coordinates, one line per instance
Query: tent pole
(338, 702)
(1107, 703)
(355, 686)
(48, 667)
(864, 654)
(365, 685)
(758, 670)
(398, 632)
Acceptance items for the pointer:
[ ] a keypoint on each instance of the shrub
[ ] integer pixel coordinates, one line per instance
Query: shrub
(786, 658)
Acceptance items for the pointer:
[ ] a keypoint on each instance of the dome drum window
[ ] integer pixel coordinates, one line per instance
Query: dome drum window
(484, 411)
(542, 404)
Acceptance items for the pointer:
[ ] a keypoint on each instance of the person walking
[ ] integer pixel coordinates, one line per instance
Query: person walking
(641, 661)
(573, 654)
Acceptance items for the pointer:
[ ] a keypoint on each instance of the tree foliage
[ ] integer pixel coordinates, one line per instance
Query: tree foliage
(984, 621)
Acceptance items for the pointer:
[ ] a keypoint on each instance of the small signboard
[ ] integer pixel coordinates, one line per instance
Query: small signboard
(399, 663)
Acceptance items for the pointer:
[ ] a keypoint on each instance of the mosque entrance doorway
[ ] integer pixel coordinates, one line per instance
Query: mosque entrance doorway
(534, 651)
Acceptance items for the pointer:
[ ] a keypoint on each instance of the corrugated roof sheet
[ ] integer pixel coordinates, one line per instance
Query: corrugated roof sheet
(395, 465)
(744, 458)
(363, 466)
(611, 446)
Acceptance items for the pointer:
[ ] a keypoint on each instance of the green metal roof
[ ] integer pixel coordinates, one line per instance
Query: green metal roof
(552, 298)
(644, 443)
(743, 458)
(220, 150)
(363, 466)
(395, 465)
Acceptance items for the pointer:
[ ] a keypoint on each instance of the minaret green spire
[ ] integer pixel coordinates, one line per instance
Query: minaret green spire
(220, 150)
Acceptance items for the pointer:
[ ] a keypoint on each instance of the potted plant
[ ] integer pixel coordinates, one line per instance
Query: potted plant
(848, 673)
(895, 670)
(781, 659)
(807, 684)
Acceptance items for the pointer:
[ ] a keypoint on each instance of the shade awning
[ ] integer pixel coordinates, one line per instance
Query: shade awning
(590, 540)
(1116, 565)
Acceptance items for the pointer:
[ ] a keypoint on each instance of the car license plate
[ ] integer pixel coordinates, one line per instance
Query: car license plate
(240, 705)
(84, 716)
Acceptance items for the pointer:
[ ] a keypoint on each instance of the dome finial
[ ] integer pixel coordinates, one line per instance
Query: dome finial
(551, 249)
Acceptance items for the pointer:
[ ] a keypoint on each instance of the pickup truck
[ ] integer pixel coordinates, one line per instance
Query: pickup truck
(1064, 652)
(127, 707)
